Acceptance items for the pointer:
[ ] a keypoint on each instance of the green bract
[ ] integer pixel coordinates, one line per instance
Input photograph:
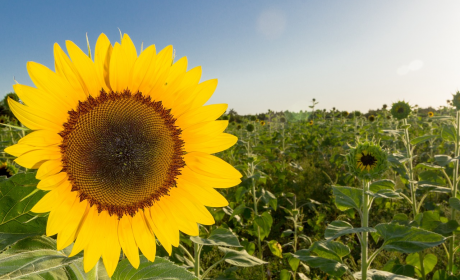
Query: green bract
(400, 110)
(367, 161)
(456, 100)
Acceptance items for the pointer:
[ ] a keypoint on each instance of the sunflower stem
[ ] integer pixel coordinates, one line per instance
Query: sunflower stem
(454, 194)
(364, 235)
(197, 252)
(92, 274)
(410, 169)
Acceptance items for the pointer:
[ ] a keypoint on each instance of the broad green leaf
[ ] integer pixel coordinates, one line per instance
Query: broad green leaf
(454, 203)
(160, 269)
(240, 258)
(421, 139)
(431, 220)
(375, 274)
(443, 160)
(16, 220)
(382, 185)
(270, 199)
(443, 275)
(429, 262)
(385, 194)
(218, 237)
(238, 210)
(275, 248)
(432, 177)
(264, 222)
(249, 247)
(285, 274)
(339, 228)
(333, 267)
(428, 166)
(433, 188)
(347, 197)
(34, 258)
(407, 239)
(448, 133)
(406, 270)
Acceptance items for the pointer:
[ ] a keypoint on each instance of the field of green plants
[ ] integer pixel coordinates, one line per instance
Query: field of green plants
(302, 210)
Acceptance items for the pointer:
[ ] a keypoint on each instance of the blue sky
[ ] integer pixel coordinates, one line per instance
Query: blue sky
(278, 55)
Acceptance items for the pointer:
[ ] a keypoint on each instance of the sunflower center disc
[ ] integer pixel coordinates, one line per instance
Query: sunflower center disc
(121, 151)
(400, 110)
(368, 160)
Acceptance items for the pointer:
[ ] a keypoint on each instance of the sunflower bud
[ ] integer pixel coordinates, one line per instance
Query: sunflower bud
(345, 114)
(250, 127)
(371, 118)
(367, 160)
(400, 110)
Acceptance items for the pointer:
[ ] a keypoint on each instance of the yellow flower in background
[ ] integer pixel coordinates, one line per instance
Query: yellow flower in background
(310, 123)
(430, 114)
(262, 122)
(123, 146)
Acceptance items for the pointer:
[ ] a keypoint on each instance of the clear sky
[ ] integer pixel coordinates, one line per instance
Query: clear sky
(278, 55)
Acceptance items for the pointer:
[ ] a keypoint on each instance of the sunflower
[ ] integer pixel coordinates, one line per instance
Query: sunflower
(456, 100)
(345, 114)
(367, 160)
(310, 123)
(262, 122)
(123, 146)
(371, 118)
(7, 169)
(400, 110)
(430, 114)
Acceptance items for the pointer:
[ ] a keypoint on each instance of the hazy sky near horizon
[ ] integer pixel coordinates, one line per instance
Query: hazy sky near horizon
(278, 55)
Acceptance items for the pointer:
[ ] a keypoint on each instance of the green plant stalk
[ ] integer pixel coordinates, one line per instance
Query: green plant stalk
(210, 268)
(197, 252)
(259, 244)
(364, 235)
(410, 169)
(92, 274)
(454, 194)
(422, 267)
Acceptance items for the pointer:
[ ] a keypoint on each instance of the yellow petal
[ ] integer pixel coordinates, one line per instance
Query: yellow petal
(144, 238)
(184, 220)
(201, 114)
(33, 118)
(102, 56)
(66, 69)
(111, 252)
(214, 145)
(93, 250)
(41, 138)
(203, 92)
(184, 96)
(49, 168)
(85, 67)
(36, 158)
(157, 232)
(56, 219)
(199, 212)
(41, 101)
(85, 230)
(210, 182)
(67, 235)
(206, 196)
(211, 166)
(140, 68)
(51, 199)
(173, 82)
(117, 72)
(53, 181)
(156, 76)
(127, 241)
(54, 84)
(204, 131)
(20, 149)
(164, 224)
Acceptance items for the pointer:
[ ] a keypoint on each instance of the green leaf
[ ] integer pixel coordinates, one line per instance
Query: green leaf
(431, 220)
(347, 197)
(339, 228)
(238, 210)
(35, 257)
(240, 258)
(385, 194)
(16, 220)
(407, 239)
(421, 139)
(428, 166)
(448, 133)
(269, 198)
(160, 269)
(285, 274)
(264, 222)
(443, 160)
(454, 203)
(218, 237)
(327, 264)
(375, 274)
(433, 188)
(429, 262)
(382, 185)
(275, 248)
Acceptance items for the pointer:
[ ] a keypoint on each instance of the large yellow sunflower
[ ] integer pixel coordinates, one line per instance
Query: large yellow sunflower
(123, 144)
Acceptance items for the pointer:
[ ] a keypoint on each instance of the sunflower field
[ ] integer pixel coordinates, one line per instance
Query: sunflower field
(130, 185)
